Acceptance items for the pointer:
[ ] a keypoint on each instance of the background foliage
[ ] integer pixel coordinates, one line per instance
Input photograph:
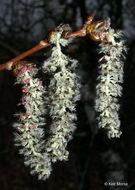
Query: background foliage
(93, 158)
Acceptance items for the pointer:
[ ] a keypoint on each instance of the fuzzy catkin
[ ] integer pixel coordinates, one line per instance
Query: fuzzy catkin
(64, 92)
(110, 77)
(30, 133)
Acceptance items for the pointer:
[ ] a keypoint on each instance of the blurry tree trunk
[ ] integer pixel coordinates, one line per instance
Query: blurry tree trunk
(83, 10)
(116, 13)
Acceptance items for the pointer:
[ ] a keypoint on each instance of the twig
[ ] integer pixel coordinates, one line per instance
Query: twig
(83, 31)
(94, 30)
(8, 65)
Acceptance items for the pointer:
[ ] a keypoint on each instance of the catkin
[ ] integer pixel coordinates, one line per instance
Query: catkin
(63, 92)
(30, 134)
(110, 79)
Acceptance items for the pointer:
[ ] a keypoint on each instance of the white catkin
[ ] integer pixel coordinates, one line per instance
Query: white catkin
(30, 134)
(64, 92)
(110, 77)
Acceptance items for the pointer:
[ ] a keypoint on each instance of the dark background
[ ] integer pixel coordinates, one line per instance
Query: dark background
(94, 159)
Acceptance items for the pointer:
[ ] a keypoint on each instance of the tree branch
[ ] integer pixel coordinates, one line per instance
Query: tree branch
(8, 65)
(95, 30)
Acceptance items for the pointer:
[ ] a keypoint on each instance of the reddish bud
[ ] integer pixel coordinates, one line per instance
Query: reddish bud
(27, 114)
(20, 118)
(27, 81)
(23, 69)
(32, 127)
(40, 83)
(25, 90)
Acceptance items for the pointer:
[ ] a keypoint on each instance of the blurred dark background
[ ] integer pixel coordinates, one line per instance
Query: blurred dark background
(94, 159)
